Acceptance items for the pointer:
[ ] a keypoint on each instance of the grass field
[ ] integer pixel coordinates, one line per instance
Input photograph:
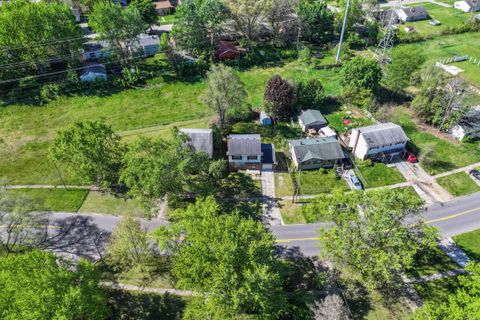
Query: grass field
(98, 202)
(292, 212)
(312, 182)
(459, 184)
(379, 175)
(26, 130)
(470, 243)
(448, 154)
(52, 199)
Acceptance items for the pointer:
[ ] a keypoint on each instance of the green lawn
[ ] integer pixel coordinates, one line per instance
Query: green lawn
(26, 130)
(335, 121)
(98, 202)
(430, 262)
(459, 184)
(448, 154)
(470, 243)
(312, 182)
(437, 291)
(292, 212)
(379, 175)
(52, 199)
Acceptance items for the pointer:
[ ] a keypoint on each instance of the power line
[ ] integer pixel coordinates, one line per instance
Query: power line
(41, 44)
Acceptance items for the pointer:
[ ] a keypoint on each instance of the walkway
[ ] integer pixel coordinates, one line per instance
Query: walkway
(131, 287)
(270, 208)
(454, 252)
(436, 276)
(463, 169)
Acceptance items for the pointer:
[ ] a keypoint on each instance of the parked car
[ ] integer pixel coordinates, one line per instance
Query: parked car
(356, 183)
(410, 157)
(475, 173)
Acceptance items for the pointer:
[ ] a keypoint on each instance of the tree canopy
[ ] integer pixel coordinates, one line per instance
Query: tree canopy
(147, 11)
(361, 73)
(316, 20)
(405, 63)
(247, 15)
(38, 285)
(279, 98)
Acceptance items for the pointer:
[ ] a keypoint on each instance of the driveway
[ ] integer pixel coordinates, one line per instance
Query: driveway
(270, 208)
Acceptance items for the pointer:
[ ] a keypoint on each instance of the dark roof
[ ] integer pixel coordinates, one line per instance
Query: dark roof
(383, 134)
(201, 139)
(470, 122)
(319, 148)
(267, 153)
(418, 11)
(244, 144)
(384, 16)
(311, 116)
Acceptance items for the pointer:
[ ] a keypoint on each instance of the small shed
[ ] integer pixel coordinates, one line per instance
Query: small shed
(311, 119)
(94, 72)
(163, 7)
(265, 119)
(227, 51)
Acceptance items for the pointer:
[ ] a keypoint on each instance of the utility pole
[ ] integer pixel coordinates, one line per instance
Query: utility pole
(342, 34)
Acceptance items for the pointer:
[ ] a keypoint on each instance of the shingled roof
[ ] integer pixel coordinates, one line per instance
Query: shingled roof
(470, 122)
(383, 134)
(418, 11)
(317, 149)
(201, 139)
(244, 144)
(310, 117)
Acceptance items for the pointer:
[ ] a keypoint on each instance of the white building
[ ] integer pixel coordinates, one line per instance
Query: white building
(381, 141)
(408, 14)
(200, 139)
(467, 5)
(244, 151)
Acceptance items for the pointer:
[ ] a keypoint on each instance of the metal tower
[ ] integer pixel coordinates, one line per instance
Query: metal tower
(388, 39)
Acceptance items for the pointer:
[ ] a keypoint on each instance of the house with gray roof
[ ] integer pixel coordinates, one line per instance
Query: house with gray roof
(409, 14)
(316, 153)
(244, 151)
(311, 119)
(200, 139)
(468, 126)
(380, 141)
(467, 5)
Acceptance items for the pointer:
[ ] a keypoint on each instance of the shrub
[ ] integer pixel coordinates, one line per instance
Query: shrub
(310, 93)
(50, 92)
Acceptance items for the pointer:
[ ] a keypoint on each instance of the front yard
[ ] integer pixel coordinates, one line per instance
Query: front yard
(459, 184)
(52, 199)
(470, 243)
(310, 182)
(379, 175)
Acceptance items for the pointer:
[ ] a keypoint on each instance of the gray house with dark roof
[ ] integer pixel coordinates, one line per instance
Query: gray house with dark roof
(408, 14)
(311, 119)
(468, 126)
(380, 141)
(316, 153)
(200, 139)
(244, 151)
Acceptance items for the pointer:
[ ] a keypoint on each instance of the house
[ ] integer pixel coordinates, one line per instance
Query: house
(95, 50)
(150, 44)
(467, 5)
(385, 16)
(409, 14)
(93, 72)
(380, 141)
(244, 151)
(468, 126)
(311, 119)
(316, 153)
(200, 139)
(265, 119)
(227, 51)
(163, 7)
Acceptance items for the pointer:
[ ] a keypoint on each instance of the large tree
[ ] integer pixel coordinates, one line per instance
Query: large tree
(310, 93)
(376, 234)
(147, 11)
(279, 98)
(360, 73)
(280, 16)
(225, 93)
(405, 63)
(247, 15)
(38, 285)
(316, 20)
(119, 27)
(227, 259)
(198, 24)
(90, 150)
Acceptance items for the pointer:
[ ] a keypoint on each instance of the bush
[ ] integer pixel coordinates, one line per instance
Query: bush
(50, 92)
(361, 98)
(310, 93)
(305, 55)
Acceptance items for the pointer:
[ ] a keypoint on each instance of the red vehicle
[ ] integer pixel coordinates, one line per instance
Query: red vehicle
(410, 157)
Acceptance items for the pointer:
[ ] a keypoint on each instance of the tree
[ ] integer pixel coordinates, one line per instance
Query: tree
(228, 260)
(198, 24)
(316, 21)
(38, 285)
(279, 98)
(118, 26)
(34, 33)
(225, 93)
(247, 15)
(310, 93)
(356, 15)
(405, 62)
(332, 307)
(373, 234)
(360, 73)
(90, 150)
(147, 11)
(279, 15)
(464, 304)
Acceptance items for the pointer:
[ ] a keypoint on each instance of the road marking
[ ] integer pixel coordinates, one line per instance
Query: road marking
(452, 216)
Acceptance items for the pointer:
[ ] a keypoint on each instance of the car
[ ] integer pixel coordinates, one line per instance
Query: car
(410, 157)
(356, 183)
(475, 173)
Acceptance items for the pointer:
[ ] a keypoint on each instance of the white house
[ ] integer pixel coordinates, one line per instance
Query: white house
(381, 141)
(467, 5)
(93, 72)
(244, 151)
(408, 14)
(200, 139)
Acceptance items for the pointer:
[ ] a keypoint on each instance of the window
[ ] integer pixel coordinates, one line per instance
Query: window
(236, 157)
(252, 157)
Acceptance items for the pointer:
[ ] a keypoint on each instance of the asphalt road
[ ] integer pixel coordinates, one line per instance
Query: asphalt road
(84, 235)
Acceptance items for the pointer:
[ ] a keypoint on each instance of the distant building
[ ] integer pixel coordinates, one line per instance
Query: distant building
(316, 153)
(467, 5)
(200, 139)
(163, 7)
(227, 51)
(265, 119)
(381, 141)
(95, 50)
(93, 72)
(244, 151)
(409, 14)
(150, 44)
(384, 16)
(311, 119)
(468, 126)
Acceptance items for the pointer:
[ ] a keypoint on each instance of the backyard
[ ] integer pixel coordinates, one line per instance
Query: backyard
(459, 184)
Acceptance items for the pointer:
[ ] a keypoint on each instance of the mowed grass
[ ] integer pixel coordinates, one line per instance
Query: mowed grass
(379, 175)
(459, 184)
(447, 155)
(292, 212)
(470, 243)
(97, 202)
(437, 291)
(26, 131)
(311, 182)
(52, 199)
